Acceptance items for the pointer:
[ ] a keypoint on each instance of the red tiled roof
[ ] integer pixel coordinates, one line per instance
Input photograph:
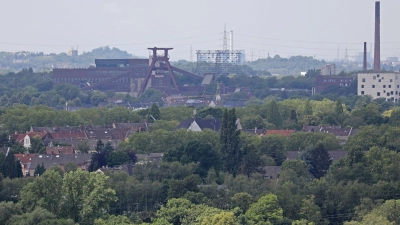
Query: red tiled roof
(60, 150)
(24, 158)
(20, 137)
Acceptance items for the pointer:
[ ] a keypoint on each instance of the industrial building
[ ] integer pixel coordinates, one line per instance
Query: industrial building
(328, 69)
(132, 76)
(379, 85)
(236, 57)
(321, 82)
(224, 56)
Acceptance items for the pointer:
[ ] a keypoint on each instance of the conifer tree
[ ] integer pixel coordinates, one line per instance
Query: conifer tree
(273, 115)
(229, 142)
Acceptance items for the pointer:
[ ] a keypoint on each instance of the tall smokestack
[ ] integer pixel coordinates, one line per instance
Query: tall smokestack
(377, 49)
(365, 57)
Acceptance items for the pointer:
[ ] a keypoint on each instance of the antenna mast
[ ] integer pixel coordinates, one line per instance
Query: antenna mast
(225, 43)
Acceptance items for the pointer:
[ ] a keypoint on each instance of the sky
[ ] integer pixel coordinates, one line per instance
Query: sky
(260, 27)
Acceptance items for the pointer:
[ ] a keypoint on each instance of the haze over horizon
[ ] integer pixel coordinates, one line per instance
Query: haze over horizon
(309, 27)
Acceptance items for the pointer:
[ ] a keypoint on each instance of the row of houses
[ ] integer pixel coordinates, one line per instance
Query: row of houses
(29, 162)
(72, 136)
(199, 124)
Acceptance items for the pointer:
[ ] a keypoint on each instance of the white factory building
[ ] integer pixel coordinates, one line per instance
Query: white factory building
(379, 85)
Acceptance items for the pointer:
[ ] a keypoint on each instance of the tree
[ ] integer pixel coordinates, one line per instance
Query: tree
(85, 196)
(35, 217)
(265, 211)
(37, 145)
(229, 142)
(273, 146)
(273, 115)
(311, 212)
(70, 166)
(12, 168)
(44, 192)
(318, 161)
(298, 166)
(83, 147)
(39, 170)
(243, 200)
(307, 108)
(251, 160)
(97, 98)
(223, 218)
(120, 220)
(117, 158)
(154, 113)
(9, 209)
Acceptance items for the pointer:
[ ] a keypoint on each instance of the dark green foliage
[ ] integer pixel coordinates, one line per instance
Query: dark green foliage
(198, 152)
(318, 161)
(39, 170)
(152, 95)
(37, 145)
(117, 158)
(229, 142)
(11, 167)
(178, 188)
(251, 162)
(154, 113)
(274, 146)
(273, 115)
(210, 111)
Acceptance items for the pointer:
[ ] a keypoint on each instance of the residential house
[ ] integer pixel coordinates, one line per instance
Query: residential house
(272, 172)
(82, 161)
(26, 162)
(341, 133)
(199, 124)
(26, 139)
(60, 150)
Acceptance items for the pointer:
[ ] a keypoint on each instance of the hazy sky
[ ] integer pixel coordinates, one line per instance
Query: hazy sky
(284, 27)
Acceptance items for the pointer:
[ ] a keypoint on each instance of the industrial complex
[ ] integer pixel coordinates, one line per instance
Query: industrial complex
(132, 76)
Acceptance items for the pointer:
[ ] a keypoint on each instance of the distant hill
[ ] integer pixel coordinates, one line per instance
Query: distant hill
(40, 61)
(287, 66)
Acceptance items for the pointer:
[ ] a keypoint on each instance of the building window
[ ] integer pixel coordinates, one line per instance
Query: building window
(363, 80)
(397, 86)
(377, 75)
(388, 94)
(391, 80)
(362, 86)
(373, 86)
(384, 86)
(390, 86)
(391, 92)
(379, 80)
(378, 94)
(374, 77)
(362, 92)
